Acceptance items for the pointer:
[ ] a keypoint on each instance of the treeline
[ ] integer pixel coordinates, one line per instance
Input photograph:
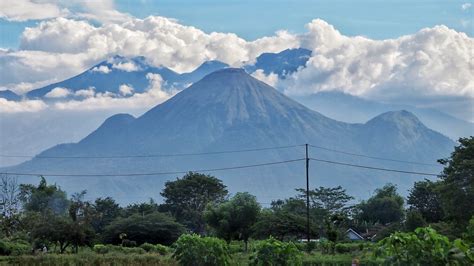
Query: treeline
(42, 216)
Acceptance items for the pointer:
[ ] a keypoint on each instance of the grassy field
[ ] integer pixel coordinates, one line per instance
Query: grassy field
(90, 258)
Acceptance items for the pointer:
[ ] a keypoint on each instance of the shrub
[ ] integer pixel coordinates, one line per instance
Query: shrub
(349, 247)
(4, 248)
(100, 249)
(196, 250)
(163, 250)
(148, 247)
(129, 243)
(424, 247)
(275, 252)
(17, 248)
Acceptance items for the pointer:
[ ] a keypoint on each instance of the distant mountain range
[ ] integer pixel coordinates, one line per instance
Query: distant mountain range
(230, 110)
(353, 109)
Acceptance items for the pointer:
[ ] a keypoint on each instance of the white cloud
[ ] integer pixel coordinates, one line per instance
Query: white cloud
(102, 101)
(466, 6)
(126, 66)
(22, 10)
(58, 92)
(433, 62)
(271, 79)
(101, 69)
(21, 106)
(125, 89)
(85, 93)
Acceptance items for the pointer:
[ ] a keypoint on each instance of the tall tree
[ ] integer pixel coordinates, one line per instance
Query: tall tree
(330, 200)
(106, 211)
(234, 218)
(457, 186)
(385, 206)
(186, 198)
(425, 199)
(43, 198)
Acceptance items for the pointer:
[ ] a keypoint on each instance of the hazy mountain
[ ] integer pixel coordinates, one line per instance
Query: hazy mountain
(282, 63)
(9, 95)
(110, 74)
(229, 110)
(339, 105)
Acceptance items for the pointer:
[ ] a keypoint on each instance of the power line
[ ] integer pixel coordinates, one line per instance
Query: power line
(157, 173)
(373, 168)
(150, 155)
(371, 157)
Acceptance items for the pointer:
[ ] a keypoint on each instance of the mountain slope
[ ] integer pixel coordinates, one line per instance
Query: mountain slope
(110, 74)
(9, 95)
(230, 110)
(337, 105)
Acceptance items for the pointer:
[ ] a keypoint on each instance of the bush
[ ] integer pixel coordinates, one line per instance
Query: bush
(163, 250)
(196, 250)
(14, 248)
(424, 247)
(100, 249)
(349, 247)
(148, 247)
(275, 252)
(129, 243)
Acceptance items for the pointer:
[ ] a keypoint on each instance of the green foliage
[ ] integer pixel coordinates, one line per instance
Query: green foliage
(187, 198)
(414, 219)
(285, 220)
(152, 228)
(194, 250)
(424, 247)
(275, 252)
(14, 248)
(457, 183)
(469, 234)
(116, 259)
(43, 198)
(100, 249)
(386, 206)
(425, 199)
(106, 211)
(348, 247)
(234, 219)
(329, 201)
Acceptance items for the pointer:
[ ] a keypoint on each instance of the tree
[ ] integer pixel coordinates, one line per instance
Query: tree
(414, 220)
(141, 208)
(156, 228)
(186, 198)
(425, 199)
(385, 206)
(457, 183)
(9, 205)
(106, 211)
(82, 214)
(330, 200)
(43, 198)
(234, 219)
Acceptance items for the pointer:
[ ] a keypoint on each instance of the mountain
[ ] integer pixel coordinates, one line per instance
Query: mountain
(9, 95)
(282, 63)
(338, 104)
(230, 110)
(118, 70)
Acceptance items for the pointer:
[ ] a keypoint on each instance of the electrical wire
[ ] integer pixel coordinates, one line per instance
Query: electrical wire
(370, 157)
(373, 168)
(152, 174)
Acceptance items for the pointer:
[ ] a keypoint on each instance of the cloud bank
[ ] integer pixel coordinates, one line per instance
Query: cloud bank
(432, 63)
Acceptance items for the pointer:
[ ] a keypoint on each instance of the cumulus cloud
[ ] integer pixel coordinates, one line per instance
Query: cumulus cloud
(22, 10)
(21, 106)
(433, 61)
(58, 92)
(101, 101)
(466, 6)
(125, 89)
(271, 79)
(126, 66)
(101, 69)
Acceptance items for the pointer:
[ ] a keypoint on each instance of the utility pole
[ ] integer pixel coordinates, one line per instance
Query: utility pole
(307, 195)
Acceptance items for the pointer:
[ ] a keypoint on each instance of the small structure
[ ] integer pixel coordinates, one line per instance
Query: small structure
(353, 235)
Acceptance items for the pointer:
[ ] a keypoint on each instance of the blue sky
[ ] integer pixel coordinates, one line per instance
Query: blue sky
(253, 19)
